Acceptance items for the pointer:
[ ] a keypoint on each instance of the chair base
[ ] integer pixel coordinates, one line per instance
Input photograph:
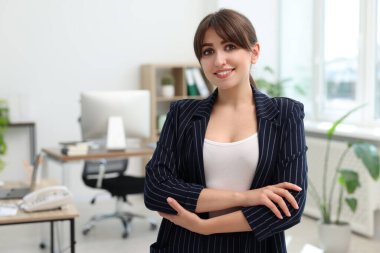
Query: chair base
(124, 217)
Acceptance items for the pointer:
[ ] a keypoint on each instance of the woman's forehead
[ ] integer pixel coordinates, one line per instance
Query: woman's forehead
(211, 36)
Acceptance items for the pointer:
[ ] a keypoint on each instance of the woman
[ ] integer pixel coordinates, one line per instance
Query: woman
(229, 173)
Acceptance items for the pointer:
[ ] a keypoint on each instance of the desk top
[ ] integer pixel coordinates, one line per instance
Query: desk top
(56, 154)
(68, 212)
(22, 124)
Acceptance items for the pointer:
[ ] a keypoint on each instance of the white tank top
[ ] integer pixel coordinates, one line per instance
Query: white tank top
(230, 166)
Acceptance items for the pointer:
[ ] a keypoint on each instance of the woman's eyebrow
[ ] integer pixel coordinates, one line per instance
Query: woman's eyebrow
(210, 44)
(207, 44)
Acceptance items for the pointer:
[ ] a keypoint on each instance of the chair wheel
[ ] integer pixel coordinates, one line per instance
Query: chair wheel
(42, 245)
(85, 231)
(153, 226)
(125, 235)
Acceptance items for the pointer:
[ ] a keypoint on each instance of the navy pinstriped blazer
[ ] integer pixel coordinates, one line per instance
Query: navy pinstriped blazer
(176, 170)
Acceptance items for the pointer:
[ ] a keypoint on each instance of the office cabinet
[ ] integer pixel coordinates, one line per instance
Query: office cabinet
(151, 75)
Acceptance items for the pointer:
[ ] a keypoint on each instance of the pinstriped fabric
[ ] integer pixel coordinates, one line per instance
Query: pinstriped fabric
(176, 170)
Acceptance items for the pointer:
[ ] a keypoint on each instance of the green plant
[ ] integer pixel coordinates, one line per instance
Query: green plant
(347, 178)
(167, 80)
(4, 121)
(275, 88)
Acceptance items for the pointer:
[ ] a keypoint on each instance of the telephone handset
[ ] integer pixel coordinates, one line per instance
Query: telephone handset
(46, 199)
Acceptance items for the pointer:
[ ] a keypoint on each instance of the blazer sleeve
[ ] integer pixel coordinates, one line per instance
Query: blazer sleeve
(162, 171)
(291, 167)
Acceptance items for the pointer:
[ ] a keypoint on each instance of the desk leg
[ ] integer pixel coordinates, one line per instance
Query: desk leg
(32, 141)
(72, 235)
(52, 236)
(44, 227)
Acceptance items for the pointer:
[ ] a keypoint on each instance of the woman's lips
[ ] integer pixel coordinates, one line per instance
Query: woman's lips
(223, 73)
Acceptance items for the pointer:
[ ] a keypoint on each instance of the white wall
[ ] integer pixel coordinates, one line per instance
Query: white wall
(51, 50)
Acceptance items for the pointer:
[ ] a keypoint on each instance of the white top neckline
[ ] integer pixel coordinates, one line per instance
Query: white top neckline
(231, 143)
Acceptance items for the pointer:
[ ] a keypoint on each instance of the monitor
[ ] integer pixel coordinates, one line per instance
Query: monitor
(132, 107)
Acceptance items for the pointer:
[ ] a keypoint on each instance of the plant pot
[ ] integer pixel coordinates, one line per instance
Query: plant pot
(334, 238)
(377, 225)
(167, 90)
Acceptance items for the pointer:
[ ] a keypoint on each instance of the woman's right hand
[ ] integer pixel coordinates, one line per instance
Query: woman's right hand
(271, 195)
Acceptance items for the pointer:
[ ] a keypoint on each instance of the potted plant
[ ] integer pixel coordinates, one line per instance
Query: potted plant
(4, 121)
(273, 87)
(335, 233)
(167, 86)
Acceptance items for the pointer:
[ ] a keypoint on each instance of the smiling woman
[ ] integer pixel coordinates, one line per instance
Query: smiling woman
(229, 173)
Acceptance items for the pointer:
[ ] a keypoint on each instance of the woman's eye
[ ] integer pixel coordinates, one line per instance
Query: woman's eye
(208, 51)
(230, 47)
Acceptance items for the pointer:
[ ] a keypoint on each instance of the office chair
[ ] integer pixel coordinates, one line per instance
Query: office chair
(109, 175)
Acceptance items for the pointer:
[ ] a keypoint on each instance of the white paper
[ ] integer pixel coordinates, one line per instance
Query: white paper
(8, 210)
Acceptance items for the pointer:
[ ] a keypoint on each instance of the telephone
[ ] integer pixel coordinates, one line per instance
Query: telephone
(46, 199)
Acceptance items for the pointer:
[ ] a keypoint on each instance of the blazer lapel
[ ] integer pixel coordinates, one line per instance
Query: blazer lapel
(199, 125)
(267, 117)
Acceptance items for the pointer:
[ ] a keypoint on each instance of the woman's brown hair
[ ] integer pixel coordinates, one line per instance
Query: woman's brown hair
(231, 26)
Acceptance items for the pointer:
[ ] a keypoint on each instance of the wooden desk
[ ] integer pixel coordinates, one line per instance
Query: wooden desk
(55, 153)
(68, 213)
(97, 154)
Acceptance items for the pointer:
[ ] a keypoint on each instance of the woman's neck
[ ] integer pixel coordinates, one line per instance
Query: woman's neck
(236, 96)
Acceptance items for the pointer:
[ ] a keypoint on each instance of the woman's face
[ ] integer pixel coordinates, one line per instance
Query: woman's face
(224, 63)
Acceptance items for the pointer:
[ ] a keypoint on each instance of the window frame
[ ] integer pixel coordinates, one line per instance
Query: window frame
(365, 89)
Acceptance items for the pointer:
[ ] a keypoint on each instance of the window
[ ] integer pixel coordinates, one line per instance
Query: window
(329, 46)
(341, 52)
(296, 43)
(377, 71)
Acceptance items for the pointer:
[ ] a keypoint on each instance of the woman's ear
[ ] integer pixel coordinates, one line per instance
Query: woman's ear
(255, 53)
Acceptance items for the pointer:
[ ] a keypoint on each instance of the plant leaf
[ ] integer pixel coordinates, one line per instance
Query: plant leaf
(269, 69)
(349, 179)
(352, 203)
(331, 131)
(369, 156)
(3, 147)
(2, 165)
(300, 90)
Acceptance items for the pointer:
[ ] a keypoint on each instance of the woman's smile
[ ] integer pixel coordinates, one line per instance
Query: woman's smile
(224, 73)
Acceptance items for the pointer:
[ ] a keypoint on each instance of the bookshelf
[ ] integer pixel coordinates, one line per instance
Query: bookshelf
(151, 75)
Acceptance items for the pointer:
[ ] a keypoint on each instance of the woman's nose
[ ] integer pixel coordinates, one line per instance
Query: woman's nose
(220, 59)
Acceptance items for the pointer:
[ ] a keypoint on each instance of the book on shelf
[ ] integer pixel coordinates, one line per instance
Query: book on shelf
(73, 149)
(200, 82)
(192, 89)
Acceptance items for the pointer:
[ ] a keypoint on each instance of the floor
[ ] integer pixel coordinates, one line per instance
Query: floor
(106, 237)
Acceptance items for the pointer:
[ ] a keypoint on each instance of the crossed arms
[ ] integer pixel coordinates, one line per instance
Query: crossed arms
(264, 211)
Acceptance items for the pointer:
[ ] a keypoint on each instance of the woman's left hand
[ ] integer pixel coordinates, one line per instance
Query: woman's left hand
(184, 218)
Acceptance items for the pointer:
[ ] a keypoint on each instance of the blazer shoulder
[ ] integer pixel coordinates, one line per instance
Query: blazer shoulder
(183, 110)
(185, 103)
(289, 107)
